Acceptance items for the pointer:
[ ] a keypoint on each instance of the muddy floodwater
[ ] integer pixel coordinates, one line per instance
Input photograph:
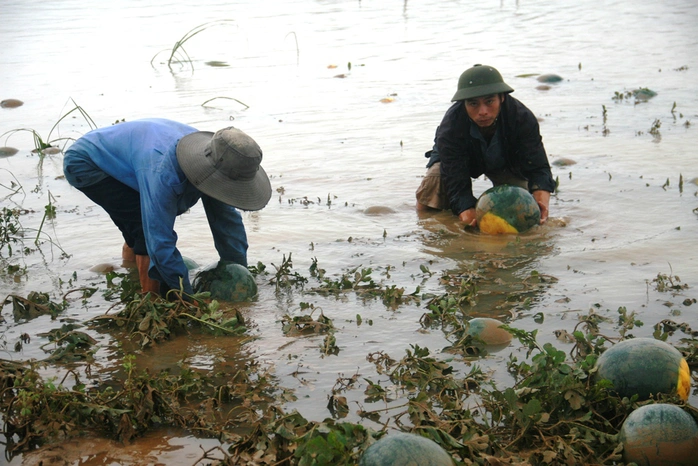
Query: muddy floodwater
(343, 97)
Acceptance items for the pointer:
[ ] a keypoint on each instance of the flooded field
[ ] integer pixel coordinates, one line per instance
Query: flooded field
(343, 97)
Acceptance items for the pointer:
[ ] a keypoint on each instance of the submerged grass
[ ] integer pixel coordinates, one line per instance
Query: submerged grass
(14, 244)
(178, 54)
(41, 144)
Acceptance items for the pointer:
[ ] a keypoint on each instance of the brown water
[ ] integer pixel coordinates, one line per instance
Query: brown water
(620, 218)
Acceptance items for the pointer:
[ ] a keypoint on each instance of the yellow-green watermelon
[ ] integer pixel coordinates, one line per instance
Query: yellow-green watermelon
(226, 281)
(660, 435)
(645, 367)
(506, 209)
(488, 331)
(402, 449)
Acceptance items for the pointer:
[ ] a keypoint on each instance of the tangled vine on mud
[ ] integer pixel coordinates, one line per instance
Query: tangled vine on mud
(555, 413)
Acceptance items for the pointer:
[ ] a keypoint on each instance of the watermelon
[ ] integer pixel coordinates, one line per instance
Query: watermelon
(549, 78)
(8, 151)
(506, 209)
(660, 435)
(644, 94)
(488, 332)
(226, 281)
(645, 367)
(190, 264)
(402, 449)
(11, 103)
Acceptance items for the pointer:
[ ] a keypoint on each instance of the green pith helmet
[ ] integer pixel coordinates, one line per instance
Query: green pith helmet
(478, 81)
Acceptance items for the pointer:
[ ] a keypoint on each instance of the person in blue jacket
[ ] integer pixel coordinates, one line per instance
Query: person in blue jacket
(144, 173)
(486, 131)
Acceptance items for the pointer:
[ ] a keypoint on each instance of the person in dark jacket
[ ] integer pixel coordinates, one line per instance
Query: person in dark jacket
(486, 131)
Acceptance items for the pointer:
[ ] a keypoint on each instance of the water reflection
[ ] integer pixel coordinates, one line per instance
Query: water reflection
(160, 446)
(502, 268)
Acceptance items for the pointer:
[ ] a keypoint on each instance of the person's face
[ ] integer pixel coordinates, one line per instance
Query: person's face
(484, 110)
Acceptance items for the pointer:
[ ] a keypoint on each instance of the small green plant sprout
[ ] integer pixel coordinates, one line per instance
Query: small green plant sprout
(178, 55)
(605, 131)
(49, 213)
(10, 230)
(654, 130)
(620, 96)
(668, 283)
(425, 270)
(13, 234)
(640, 95)
(285, 276)
(315, 270)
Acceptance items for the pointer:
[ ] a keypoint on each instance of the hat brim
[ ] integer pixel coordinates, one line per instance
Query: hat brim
(252, 194)
(480, 91)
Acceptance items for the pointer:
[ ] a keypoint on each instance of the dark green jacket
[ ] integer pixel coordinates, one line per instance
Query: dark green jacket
(462, 159)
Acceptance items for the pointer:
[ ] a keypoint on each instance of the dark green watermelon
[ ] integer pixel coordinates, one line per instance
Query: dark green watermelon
(549, 78)
(402, 449)
(506, 209)
(645, 367)
(226, 281)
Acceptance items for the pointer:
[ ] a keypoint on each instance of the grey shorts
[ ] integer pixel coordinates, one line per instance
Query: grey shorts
(430, 193)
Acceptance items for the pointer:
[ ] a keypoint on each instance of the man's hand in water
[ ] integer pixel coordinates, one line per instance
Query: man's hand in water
(468, 217)
(543, 199)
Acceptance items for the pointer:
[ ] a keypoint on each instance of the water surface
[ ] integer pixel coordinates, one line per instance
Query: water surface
(624, 213)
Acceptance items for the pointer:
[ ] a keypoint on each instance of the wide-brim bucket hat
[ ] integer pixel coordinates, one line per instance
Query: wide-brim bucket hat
(226, 165)
(479, 81)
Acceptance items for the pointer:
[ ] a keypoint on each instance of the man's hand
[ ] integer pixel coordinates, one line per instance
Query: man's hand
(542, 198)
(468, 217)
